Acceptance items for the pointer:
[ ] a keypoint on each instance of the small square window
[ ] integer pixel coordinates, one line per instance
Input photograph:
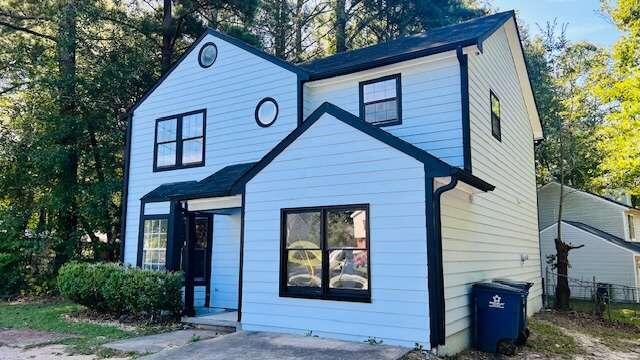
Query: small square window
(496, 130)
(380, 101)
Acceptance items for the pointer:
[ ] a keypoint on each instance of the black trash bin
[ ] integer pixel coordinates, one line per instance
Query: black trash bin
(524, 286)
(498, 311)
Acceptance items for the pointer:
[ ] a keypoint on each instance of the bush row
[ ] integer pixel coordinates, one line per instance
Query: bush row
(121, 290)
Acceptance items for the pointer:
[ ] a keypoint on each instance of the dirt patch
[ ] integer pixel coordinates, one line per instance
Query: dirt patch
(48, 352)
(28, 338)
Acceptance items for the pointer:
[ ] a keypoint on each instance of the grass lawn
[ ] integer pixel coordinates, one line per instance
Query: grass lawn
(548, 339)
(50, 316)
(627, 313)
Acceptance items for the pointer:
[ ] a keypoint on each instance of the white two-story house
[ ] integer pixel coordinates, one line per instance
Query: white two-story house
(357, 196)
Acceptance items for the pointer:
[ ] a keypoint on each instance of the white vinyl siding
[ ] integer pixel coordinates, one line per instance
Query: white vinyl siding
(225, 261)
(230, 91)
(581, 207)
(485, 235)
(335, 164)
(431, 104)
(157, 208)
(609, 263)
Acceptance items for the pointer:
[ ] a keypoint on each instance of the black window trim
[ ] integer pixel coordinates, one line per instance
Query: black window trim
(200, 55)
(324, 292)
(143, 219)
(180, 141)
(498, 135)
(264, 100)
(398, 99)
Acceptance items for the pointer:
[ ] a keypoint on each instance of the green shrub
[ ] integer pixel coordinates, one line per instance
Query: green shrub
(121, 290)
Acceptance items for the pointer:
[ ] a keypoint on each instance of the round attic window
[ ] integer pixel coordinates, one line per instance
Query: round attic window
(266, 112)
(208, 54)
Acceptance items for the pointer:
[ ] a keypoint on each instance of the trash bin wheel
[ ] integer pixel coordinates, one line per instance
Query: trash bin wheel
(524, 335)
(506, 347)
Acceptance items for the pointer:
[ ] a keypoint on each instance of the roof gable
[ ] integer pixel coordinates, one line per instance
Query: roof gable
(194, 48)
(437, 166)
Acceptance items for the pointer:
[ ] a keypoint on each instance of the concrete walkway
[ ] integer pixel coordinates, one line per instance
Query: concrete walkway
(271, 346)
(154, 343)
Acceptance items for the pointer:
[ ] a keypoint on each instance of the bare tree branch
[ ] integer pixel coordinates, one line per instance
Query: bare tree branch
(28, 31)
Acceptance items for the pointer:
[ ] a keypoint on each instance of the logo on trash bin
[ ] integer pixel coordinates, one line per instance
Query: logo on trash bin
(496, 302)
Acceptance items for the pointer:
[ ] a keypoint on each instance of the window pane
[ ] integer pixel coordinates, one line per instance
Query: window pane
(348, 269)
(495, 126)
(154, 244)
(381, 112)
(192, 151)
(347, 228)
(379, 90)
(167, 130)
(304, 268)
(495, 106)
(192, 125)
(166, 154)
(303, 230)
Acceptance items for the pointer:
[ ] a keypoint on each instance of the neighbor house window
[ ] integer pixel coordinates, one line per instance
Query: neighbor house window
(632, 228)
(496, 131)
(154, 243)
(180, 141)
(325, 253)
(380, 101)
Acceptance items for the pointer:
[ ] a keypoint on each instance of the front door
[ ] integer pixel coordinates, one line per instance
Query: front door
(197, 265)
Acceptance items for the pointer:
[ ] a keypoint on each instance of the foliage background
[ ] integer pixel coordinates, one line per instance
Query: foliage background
(70, 69)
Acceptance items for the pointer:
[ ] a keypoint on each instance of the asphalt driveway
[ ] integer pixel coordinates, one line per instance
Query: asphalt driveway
(272, 346)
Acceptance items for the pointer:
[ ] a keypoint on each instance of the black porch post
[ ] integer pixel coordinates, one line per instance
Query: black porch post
(188, 268)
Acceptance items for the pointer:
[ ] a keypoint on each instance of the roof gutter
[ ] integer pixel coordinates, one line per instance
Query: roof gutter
(437, 329)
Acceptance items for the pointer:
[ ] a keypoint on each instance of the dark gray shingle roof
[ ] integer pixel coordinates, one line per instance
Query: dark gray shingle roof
(219, 183)
(471, 32)
(606, 236)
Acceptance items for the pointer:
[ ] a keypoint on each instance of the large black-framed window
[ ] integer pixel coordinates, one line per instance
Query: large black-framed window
(381, 101)
(180, 141)
(496, 129)
(325, 253)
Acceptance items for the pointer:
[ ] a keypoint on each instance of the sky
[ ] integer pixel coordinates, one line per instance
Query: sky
(584, 22)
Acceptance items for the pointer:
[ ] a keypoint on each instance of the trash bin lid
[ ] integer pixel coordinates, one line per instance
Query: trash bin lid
(493, 286)
(524, 284)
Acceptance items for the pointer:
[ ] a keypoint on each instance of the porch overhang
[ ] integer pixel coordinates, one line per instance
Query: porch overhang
(215, 190)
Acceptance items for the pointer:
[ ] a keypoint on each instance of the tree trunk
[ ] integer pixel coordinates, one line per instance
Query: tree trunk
(167, 36)
(341, 26)
(563, 292)
(299, 24)
(68, 215)
(280, 41)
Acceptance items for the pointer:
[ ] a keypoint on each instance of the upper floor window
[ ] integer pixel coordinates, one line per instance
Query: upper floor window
(325, 253)
(180, 141)
(632, 228)
(496, 131)
(381, 101)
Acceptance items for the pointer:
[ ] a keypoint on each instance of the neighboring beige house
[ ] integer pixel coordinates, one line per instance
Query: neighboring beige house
(609, 229)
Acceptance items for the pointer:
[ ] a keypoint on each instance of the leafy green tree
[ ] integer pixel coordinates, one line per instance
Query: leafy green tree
(560, 75)
(618, 85)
